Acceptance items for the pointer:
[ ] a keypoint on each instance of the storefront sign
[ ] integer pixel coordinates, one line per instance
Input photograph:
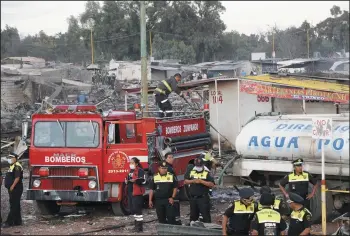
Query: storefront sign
(292, 93)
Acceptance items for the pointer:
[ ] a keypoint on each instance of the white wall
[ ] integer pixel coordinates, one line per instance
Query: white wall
(228, 110)
(290, 106)
(131, 71)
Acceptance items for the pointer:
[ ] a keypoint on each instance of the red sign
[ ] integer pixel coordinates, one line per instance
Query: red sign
(264, 90)
(218, 98)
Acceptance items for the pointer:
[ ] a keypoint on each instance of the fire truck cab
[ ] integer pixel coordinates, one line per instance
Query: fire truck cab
(79, 155)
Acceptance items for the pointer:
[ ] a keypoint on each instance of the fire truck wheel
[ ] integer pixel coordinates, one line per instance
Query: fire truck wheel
(118, 209)
(46, 207)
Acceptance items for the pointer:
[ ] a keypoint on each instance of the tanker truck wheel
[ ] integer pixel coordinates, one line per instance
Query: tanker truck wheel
(46, 207)
(122, 208)
(316, 205)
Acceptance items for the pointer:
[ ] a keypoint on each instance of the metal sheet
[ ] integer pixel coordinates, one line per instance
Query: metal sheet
(302, 83)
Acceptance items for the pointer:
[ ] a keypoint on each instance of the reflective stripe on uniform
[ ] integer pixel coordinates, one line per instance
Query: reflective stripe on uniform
(160, 90)
(167, 86)
(168, 178)
(164, 100)
(275, 206)
(298, 178)
(298, 215)
(138, 217)
(240, 208)
(268, 216)
(195, 175)
(13, 166)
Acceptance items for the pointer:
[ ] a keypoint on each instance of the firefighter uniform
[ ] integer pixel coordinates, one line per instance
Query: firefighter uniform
(300, 219)
(15, 171)
(163, 187)
(299, 184)
(162, 92)
(240, 215)
(135, 194)
(200, 201)
(268, 221)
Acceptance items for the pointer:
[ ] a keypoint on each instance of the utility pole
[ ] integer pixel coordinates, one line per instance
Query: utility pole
(144, 82)
(233, 54)
(150, 44)
(92, 47)
(273, 45)
(308, 43)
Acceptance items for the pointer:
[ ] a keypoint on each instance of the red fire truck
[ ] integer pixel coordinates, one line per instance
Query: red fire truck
(80, 155)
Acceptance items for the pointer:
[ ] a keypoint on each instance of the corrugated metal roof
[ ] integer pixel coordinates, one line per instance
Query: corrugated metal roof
(164, 68)
(302, 83)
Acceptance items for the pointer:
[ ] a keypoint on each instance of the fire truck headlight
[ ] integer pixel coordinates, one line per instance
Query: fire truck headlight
(36, 183)
(92, 184)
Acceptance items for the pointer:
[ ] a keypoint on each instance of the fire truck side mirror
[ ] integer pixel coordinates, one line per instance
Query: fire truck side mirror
(111, 134)
(24, 129)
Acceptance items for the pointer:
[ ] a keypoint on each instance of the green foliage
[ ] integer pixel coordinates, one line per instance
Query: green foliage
(191, 31)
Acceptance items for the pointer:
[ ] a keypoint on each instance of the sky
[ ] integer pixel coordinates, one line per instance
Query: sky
(247, 17)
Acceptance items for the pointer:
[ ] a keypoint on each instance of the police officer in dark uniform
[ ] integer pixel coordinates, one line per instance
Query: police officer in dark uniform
(298, 182)
(163, 187)
(279, 204)
(14, 184)
(267, 221)
(300, 218)
(162, 92)
(169, 158)
(239, 214)
(199, 181)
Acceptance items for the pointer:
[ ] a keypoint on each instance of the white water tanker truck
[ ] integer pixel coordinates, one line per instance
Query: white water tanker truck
(268, 143)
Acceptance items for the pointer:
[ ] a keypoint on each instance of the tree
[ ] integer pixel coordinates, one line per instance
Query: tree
(335, 11)
(10, 42)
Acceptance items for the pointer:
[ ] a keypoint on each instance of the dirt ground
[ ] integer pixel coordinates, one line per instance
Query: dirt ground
(67, 224)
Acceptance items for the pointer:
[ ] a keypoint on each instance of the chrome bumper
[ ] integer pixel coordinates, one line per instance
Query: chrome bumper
(67, 195)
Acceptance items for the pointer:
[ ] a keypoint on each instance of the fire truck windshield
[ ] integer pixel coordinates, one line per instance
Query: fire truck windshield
(66, 134)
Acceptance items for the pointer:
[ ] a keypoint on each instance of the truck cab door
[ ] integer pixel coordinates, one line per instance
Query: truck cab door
(124, 140)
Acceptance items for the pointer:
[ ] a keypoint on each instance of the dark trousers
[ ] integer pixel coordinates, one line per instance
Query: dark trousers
(164, 105)
(165, 211)
(137, 206)
(14, 217)
(200, 205)
(177, 212)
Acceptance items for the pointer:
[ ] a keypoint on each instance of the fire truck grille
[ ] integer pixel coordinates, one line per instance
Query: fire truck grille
(62, 184)
(64, 171)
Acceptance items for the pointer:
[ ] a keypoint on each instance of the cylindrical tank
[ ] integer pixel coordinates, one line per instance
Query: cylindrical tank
(288, 137)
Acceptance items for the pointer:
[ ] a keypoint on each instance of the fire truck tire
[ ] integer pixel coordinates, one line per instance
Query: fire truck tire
(46, 207)
(316, 206)
(118, 209)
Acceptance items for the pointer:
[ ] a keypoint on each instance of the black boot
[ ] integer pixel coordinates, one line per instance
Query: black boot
(139, 227)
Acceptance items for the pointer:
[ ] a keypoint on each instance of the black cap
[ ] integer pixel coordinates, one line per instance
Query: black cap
(12, 154)
(202, 155)
(266, 199)
(198, 161)
(163, 164)
(246, 193)
(265, 189)
(298, 161)
(177, 74)
(296, 198)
